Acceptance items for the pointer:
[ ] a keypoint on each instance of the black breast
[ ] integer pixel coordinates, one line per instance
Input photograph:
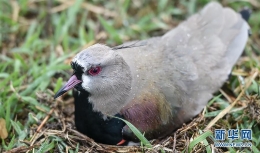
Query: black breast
(92, 123)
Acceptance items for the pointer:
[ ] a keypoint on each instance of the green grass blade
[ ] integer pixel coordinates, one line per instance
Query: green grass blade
(138, 134)
(199, 139)
(110, 29)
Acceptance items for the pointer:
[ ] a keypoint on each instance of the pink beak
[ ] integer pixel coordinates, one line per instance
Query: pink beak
(73, 81)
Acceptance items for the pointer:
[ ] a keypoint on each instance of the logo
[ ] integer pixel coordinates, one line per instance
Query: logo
(244, 135)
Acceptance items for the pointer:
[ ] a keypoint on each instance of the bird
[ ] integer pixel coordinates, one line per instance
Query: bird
(156, 84)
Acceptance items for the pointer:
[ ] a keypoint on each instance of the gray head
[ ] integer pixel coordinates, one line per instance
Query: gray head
(104, 75)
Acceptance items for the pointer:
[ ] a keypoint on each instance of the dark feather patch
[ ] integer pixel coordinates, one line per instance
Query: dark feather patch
(245, 13)
(76, 67)
(92, 124)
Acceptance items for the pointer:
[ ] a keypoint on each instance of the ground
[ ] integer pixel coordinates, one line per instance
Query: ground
(39, 38)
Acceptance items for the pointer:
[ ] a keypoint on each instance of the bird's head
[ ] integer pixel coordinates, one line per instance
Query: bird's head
(104, 74)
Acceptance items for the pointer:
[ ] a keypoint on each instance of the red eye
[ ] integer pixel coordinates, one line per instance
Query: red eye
(94, 70)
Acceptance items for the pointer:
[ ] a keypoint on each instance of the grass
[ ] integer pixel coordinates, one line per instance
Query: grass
(39, 38)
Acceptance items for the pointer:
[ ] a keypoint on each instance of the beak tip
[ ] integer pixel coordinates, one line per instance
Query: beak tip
(55, 96)
(59, 93)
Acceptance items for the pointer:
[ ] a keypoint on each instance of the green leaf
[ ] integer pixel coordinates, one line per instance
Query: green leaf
(46, 146)
(58, 85)
(138, 134)
(199, 139)
(110, 29)
(22, 134)
(10, 145)
(254, 149)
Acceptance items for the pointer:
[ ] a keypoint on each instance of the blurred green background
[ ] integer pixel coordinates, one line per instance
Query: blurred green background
(38, 38)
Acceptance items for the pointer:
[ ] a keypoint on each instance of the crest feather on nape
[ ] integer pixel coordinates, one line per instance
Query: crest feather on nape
(130, 45)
